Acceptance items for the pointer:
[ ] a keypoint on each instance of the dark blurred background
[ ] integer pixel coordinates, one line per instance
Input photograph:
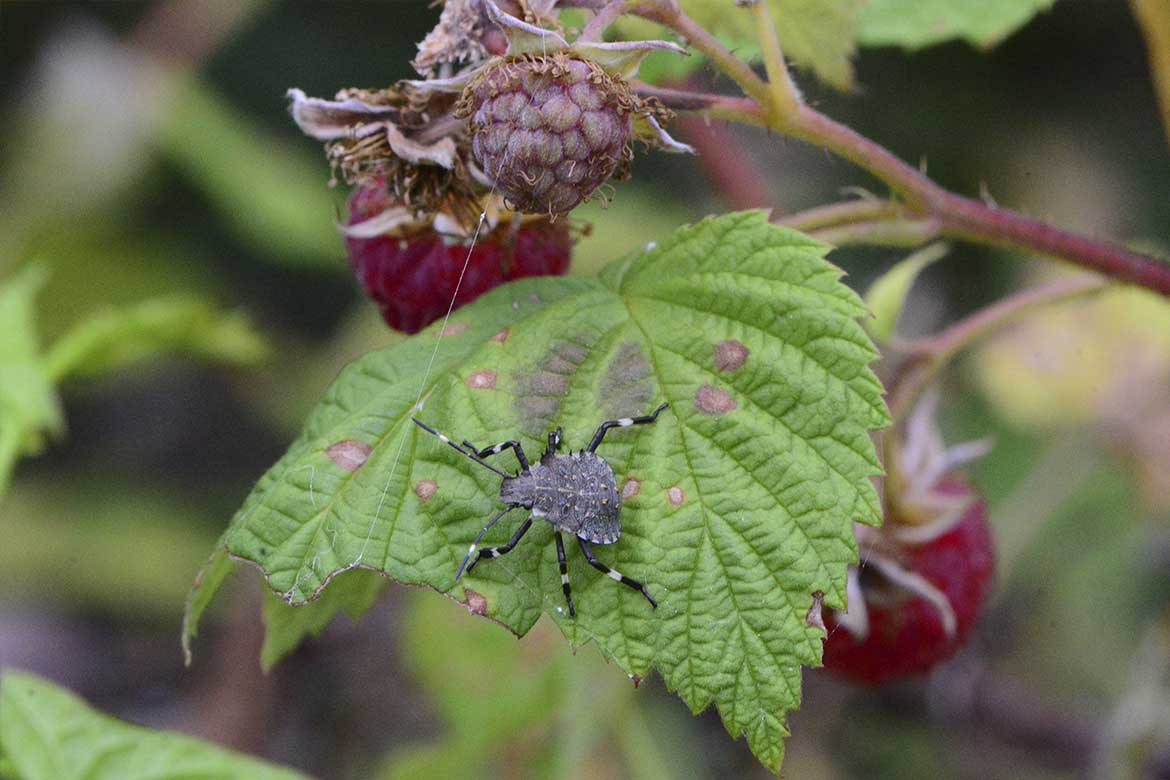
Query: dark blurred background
(147, 149)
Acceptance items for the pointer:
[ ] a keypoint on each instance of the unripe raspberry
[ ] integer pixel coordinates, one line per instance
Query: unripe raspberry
(548, 130)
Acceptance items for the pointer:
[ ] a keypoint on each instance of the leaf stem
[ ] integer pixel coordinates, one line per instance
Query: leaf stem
(929, 355)
(967, 218)
(843, 213)
(956, 215)
(908, 233)
(668, 14)
(742, 110)
(1153, 17)
(785, 97)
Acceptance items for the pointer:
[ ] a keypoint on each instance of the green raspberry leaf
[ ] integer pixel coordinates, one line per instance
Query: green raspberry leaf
(916, 24)
(738, 502)
(47, 733)
(29, 407)
(176, 323)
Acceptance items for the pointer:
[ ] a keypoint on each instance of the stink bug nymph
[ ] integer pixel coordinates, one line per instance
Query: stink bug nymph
(575, 492)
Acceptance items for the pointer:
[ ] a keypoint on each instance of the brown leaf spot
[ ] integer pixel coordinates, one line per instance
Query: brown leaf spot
(502, 336)
(635, 679)
(713, 400)
(425, 489)
(484, 379)
(453, 328)
(350, 454)
(475, 602)
(631, 488)
(676, 495)
(730, 354)
(813, 616)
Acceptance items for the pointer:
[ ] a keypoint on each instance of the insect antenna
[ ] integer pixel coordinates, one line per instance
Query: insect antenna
(459, 449)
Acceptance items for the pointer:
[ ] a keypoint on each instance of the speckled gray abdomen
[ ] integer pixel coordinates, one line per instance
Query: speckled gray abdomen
(576, 493)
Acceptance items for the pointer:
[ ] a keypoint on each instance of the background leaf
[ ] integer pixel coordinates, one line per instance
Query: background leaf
(914, 24)
(739, 501)
(29, 407)
(816, 34)
(887, 295)
(176, 323)
(47, 733)
(268, 192)
(352, 593)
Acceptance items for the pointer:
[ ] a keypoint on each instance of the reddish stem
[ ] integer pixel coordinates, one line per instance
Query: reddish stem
(967, 218)
(724, 160)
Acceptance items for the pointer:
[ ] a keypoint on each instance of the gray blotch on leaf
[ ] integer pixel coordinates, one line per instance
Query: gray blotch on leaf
(625, 389)
(540, 387)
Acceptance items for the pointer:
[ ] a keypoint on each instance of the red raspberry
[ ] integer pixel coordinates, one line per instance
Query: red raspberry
(413, 272)
(548, 130)
(906, 631)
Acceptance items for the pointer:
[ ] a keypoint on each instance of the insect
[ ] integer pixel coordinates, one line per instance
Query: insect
(575, 492)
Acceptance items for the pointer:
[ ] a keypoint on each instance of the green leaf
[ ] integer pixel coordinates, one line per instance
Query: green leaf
(29, 407)
(915, 24)
(739, 500)
(540, 707)
(351, 592)
(176, 323)
(886, 296)
(816, 34)
(270, 192)
(47, 733)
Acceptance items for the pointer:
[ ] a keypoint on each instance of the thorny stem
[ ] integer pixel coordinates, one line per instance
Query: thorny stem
(907, 233)
(927, 356)
(844, 213)
(1153, 17)
(742, 110)
(721, 156)
(954, 214)
(668, 14)
(785, 97)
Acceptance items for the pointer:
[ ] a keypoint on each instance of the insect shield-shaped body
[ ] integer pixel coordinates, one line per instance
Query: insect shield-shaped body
(575, 492)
